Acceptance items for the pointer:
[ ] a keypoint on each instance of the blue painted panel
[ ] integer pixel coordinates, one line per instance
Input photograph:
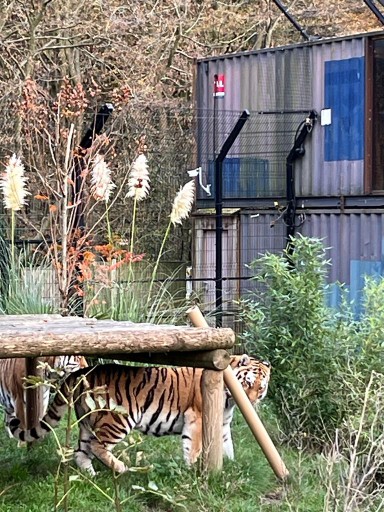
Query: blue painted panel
(359, 269)
(344, 94)
(243, 178)
(231, 178)
(255, 179)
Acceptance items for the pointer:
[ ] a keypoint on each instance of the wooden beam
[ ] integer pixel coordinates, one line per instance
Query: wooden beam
(212, 359)
(71, 335)
(212, 420)
(255, 424)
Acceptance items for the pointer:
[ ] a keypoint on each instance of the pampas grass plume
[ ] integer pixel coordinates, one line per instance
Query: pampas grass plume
(101, 183)
(13, 184)
(138, 181)
(183, 202)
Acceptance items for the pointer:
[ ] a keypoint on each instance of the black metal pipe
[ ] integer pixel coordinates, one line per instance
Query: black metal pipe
(294, 22)
(86, 142)
(296, 152)
(379, 15)
(219, 211)
(75, 301)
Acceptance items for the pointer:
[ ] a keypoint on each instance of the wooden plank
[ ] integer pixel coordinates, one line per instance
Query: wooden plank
(212, 420)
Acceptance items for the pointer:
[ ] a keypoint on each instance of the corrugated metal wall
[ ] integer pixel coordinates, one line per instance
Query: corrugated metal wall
(356, 246)
(329, 74)
(354, 241)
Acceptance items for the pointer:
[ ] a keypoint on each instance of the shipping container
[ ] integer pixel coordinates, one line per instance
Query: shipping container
(337, 172)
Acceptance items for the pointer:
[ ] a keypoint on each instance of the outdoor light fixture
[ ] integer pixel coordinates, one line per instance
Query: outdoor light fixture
(198, 172)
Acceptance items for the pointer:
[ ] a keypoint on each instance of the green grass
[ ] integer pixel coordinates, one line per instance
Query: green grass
(248, 484)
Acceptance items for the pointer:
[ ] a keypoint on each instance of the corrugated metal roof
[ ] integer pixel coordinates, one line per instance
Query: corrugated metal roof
(328, 40)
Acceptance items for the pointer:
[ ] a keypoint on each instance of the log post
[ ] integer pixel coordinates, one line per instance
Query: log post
(249, 413)
(255, 424)
(212, 420)
(33, 398)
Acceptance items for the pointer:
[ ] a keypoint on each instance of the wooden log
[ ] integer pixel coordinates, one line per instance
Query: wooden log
(212, 420)
(100, 338)
(33, 396)
(246, 408)
(255, 424)
(212, 359)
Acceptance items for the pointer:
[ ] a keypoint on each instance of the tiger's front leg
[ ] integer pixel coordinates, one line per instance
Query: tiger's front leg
(227, 442)
(191, 436)
(99, 440)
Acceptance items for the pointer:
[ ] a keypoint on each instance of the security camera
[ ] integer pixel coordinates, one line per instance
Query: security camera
(194, 172)
(198, 172)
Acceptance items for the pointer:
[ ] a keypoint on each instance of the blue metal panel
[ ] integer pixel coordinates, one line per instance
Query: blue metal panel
(243, 178)
(359, 270)
(344, 94)
(231, 178)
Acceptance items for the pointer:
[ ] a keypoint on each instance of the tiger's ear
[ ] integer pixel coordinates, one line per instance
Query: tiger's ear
(245, 360)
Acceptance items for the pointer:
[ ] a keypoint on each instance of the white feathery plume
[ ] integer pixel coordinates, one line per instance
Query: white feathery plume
(138, 181)
(183, 203)
(13, 184)
(101, 183)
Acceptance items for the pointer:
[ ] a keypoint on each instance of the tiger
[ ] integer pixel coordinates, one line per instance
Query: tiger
(12, 376)
(110, 400)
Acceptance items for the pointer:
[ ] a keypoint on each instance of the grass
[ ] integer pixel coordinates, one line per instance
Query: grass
(161, 481)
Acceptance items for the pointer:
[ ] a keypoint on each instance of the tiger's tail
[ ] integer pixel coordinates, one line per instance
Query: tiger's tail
(51, 419)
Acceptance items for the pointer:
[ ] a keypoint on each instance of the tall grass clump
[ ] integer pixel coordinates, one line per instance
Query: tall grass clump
(320, 356)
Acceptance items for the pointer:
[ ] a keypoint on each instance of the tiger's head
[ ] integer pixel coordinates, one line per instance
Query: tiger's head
(64, 365)
(253, 374)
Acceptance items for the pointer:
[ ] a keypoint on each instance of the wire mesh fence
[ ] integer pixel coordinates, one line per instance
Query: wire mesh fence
(254, 168)
(175, 141)
(255, 165)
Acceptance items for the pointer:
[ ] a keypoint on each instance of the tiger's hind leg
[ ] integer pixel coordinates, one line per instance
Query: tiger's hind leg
(192, 436)
(83, 453)
(8, 417)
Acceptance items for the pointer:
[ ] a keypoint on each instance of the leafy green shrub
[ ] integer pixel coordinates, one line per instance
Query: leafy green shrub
(310, 345)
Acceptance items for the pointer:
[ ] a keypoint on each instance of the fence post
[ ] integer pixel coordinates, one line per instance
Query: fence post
(245, 406)
(219, 212)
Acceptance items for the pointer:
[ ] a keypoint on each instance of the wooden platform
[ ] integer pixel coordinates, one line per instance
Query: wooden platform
(38, 335)
(31, 336)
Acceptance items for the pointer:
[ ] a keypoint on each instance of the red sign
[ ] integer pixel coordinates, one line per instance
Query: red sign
(219, 86)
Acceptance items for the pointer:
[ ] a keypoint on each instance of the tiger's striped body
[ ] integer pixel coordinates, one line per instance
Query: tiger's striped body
(12, 375)
(155, 401)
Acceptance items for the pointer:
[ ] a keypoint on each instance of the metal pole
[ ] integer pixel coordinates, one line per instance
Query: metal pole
(215, 98)
(77, 306)
(294, 22)
(296, 152)
(219, 212)
(86, 142)
(375, 10)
